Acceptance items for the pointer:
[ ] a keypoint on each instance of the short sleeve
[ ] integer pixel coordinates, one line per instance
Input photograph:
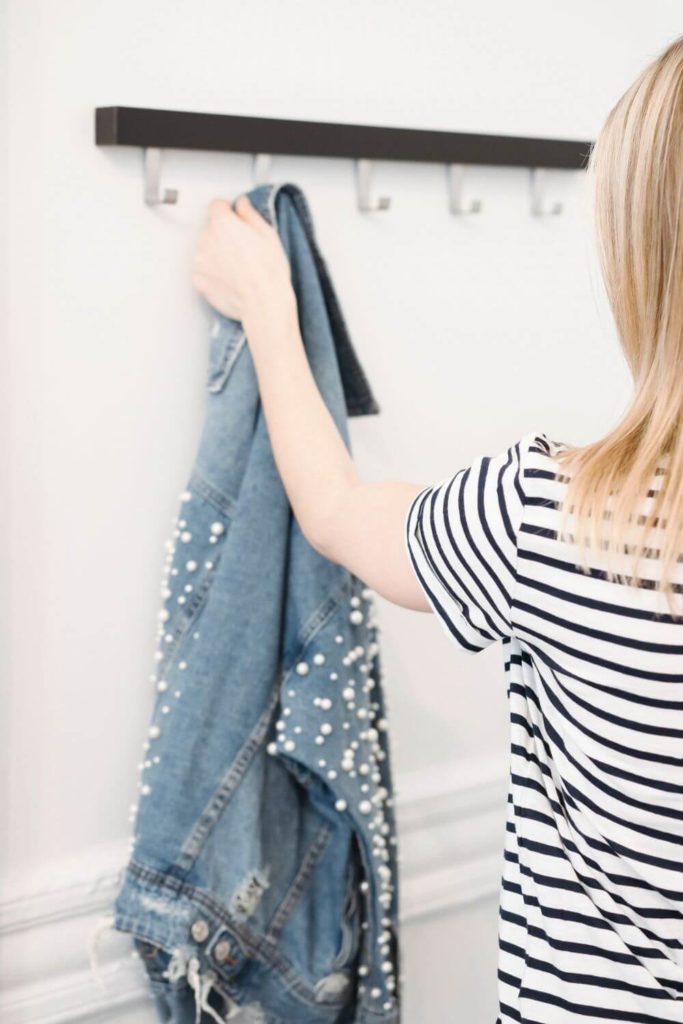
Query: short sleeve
(461, 538)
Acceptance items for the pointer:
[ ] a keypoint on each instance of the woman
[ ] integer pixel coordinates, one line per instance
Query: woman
(569, 556)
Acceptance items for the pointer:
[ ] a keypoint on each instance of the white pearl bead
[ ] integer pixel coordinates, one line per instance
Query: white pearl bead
(217, 529)
(290, 745)
(185, 496)
(165, 710)
(164, 615)
(340, 805)
(333, 676)
(356, 617)
(154, 731)
(363, 970)
(191, 565)
(365, 807)
(319, 740)
(364, 886)
(339, 639)
(302, 668)
(182, 665)
(325, 703)
(162, 685)
(326, 728)
(208, 565)
(272, 748)
(355, 602)
(145, 790)
(348, 693)
(332, 774)
(186, 536)
(319, 659)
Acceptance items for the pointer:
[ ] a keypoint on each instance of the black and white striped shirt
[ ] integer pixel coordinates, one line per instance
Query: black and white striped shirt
(591, 902)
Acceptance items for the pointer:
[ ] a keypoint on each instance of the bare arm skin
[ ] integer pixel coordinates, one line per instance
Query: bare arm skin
(241, 269)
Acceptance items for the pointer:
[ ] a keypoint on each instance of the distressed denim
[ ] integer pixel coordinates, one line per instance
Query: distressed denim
(262, 880)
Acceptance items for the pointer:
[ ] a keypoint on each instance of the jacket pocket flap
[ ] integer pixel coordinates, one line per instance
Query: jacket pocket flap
(227, 341)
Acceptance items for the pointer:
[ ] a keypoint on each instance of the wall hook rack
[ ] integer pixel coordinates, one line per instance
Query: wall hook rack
(455, 174)
(152, 176)
(154, 130)
(364, 189)
(538, 206)
(260, 168)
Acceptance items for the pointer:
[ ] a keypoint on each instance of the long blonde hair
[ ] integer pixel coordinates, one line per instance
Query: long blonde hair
(636, 172)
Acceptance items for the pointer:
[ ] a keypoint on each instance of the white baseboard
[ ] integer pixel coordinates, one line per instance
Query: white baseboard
(450, 826)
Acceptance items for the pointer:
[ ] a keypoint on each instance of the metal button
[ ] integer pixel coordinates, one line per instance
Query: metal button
(199, 930)
(222, 951)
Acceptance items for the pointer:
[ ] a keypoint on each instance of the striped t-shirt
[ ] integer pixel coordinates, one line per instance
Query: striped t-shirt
(591, 899)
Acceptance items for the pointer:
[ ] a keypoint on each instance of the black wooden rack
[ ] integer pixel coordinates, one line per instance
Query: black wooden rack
(154, 130)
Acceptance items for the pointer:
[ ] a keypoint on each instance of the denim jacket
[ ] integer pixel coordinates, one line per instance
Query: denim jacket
(261, 885)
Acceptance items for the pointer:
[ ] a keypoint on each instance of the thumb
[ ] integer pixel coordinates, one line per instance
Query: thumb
(248, 212)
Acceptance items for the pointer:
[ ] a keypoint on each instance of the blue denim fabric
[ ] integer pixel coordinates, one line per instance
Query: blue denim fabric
(262, 880)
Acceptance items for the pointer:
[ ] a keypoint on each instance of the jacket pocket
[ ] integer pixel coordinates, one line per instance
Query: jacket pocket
(227, 341)
(202, 528)
(351, 915)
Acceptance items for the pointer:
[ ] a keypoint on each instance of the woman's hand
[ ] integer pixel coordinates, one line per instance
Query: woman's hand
(240, 266)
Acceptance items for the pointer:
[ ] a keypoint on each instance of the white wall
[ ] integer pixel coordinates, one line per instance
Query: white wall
(462, 326)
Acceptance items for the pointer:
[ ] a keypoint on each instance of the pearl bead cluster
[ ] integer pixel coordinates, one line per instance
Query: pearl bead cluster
(335, 704)
(183, 562)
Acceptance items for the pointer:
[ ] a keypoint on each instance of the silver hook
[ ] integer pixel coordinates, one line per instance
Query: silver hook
(455, 174)
(260, 168)
(538, 207)
(153, 196)
(364, 189)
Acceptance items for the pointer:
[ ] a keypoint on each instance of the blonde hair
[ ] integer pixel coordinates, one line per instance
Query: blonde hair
(636, 172)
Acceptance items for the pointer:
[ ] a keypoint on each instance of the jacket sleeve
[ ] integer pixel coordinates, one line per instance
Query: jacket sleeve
(461, 536)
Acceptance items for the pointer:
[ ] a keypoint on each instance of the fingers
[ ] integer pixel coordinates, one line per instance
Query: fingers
(219, 208)
(249, 213)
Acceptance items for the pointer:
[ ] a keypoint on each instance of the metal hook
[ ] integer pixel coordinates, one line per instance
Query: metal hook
(455, 174)
(538, 207)
(260, 168)
(364, 189)
(153, 194)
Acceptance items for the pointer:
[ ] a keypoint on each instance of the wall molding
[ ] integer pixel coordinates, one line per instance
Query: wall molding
(450, 827)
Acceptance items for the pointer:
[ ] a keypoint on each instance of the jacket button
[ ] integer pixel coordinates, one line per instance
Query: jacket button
(199, 930)
(222, 951)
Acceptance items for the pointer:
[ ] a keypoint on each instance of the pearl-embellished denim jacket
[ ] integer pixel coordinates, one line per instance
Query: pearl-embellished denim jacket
(262, 880)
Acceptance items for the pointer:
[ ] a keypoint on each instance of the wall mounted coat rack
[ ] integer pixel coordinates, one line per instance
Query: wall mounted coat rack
(154, 130)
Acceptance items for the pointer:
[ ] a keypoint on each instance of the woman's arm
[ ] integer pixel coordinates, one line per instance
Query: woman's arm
(358, 524)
